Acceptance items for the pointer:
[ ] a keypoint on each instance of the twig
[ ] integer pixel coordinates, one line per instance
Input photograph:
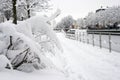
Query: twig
(24, 58)
(10, 42)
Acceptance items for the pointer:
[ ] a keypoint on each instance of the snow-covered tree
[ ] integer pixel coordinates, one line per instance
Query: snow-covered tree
(89, 19)
(81, 23)
(66, 23)
(110, 15)
(59, 26)
(6, 8)
(33, 5)
(19, 9)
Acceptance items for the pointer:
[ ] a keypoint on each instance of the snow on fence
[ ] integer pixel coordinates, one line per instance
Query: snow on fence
(108, 40)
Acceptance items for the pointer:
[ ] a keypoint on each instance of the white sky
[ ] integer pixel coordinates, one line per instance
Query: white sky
(80, 8)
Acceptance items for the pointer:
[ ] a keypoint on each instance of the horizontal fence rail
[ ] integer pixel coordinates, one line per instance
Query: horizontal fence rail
(109, 39)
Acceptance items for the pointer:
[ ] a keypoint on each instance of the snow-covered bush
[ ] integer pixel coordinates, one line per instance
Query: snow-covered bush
(25, 44)
(18, 48)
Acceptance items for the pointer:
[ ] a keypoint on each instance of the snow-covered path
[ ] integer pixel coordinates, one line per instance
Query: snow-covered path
(88, 62)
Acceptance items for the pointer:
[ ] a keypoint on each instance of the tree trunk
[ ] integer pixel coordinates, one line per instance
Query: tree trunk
(8, 19)
(14, 11)
(28, 11)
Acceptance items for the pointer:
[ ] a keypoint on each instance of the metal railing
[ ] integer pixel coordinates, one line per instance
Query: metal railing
(103, 39)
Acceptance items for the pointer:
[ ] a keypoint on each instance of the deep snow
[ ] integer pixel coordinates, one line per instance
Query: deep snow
(83, 62)
(90, 63)
(36, 75)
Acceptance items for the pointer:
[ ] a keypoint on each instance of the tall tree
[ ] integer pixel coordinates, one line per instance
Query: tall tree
(14, 11)
(81, 23)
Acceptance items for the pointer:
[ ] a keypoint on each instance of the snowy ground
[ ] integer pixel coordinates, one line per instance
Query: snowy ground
(83, 62)
(36, 75)
(90, 63)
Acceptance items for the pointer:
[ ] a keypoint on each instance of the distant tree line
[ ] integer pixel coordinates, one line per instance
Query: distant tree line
(108, 18)
(103, 19)
(65, 23)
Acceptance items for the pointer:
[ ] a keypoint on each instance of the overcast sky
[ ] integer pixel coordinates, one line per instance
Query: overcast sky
(80, 8)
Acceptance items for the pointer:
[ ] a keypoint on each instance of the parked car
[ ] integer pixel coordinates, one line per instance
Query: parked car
(71, 33)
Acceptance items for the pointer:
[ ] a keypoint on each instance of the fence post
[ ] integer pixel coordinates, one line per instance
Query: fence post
(77, 36)
(80, 36)
(87, 39)
(100, 40)
(83, 38)
(93, 38)
(109, 42)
